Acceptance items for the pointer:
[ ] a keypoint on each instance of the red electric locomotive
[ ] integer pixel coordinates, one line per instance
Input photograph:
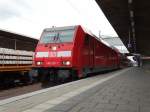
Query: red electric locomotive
(72, 51)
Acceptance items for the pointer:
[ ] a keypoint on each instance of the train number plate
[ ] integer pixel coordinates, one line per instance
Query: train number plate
(52, 54)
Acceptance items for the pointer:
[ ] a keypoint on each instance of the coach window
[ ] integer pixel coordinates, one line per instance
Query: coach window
(86, 40)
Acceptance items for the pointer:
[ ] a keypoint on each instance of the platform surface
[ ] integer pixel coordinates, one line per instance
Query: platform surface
(128, 92)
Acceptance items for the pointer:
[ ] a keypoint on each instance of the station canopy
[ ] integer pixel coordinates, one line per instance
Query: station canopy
(131, 21)
(114, 42)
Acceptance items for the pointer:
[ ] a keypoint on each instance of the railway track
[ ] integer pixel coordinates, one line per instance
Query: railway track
(11, 92)
(16, 90)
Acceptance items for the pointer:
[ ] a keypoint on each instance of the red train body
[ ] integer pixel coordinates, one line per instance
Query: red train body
(72, 50)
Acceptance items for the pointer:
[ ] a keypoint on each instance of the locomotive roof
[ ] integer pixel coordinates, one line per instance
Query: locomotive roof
(69, 28)
(60, 28)
(90, 33)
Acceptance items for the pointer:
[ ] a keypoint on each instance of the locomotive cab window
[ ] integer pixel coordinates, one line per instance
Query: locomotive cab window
(57, 36)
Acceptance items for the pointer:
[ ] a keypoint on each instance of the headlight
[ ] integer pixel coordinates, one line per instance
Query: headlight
(66, 63)
(38, 63)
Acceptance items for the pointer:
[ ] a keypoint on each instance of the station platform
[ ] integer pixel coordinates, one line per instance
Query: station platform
(126, 90)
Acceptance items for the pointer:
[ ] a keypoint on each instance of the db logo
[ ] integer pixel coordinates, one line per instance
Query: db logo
(52, 54)
(52, 63)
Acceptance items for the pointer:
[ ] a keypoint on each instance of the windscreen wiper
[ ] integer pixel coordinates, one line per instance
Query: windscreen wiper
(58, 37)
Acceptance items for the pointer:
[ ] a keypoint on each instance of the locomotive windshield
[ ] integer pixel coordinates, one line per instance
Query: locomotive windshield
(57, 36)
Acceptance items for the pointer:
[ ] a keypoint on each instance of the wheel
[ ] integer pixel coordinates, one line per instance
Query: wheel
(74, 75)
(44, 78)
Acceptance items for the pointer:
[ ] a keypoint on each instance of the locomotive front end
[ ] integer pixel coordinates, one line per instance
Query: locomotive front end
(54, 49)
(53, 54)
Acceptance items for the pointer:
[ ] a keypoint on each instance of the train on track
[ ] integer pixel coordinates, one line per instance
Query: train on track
(15, 66)
(72, 52)
(16, 55)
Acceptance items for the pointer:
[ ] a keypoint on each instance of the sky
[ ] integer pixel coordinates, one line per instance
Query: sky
(30, 17)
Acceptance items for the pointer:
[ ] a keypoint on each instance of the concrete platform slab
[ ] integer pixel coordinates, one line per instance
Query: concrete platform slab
(128, 92)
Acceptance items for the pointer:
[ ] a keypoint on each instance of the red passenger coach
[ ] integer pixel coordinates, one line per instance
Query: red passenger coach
(72, 51)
